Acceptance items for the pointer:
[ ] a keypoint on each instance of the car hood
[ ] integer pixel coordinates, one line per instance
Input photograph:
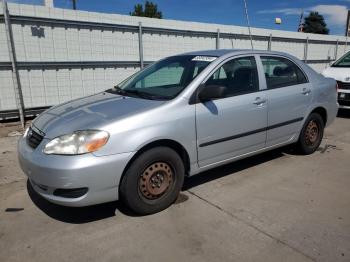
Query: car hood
(338, 73)
(92, 112)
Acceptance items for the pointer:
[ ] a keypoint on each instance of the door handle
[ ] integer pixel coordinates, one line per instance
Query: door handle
(259, 101)
(306, 91)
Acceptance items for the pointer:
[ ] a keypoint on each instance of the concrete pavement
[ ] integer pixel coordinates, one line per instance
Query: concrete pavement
(273, 207)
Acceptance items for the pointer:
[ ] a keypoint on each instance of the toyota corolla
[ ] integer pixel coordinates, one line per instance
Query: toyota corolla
(177, 117)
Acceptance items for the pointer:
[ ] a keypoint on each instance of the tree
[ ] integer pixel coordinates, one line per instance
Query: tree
(138, 10)
(150, 10)
(314, 23)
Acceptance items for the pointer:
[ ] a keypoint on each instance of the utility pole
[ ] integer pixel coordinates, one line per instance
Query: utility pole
(247, 17)
(347, 29)
(74, 2)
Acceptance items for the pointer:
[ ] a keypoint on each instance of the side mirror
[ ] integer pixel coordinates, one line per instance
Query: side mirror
(209, 92)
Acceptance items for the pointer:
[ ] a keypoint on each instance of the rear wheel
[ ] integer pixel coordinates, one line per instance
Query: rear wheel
(153, 181)
(311, 135)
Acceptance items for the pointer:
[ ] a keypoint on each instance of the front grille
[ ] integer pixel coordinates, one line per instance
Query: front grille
(33, 138)
(342, 85)
(344, 103)
(344, 96)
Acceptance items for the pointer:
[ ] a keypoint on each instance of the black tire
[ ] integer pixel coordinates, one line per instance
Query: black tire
(135, 183)
(305, 144)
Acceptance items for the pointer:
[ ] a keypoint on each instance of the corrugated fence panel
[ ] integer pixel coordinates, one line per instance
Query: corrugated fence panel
(49, 87)
(158, 46)
(320, 51)
(7, 94)
(4, 52)
(260, 44)
(71, 44)
(293, 48)
(65, 54)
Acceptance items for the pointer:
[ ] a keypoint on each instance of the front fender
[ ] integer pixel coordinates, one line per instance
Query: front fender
(133, 134)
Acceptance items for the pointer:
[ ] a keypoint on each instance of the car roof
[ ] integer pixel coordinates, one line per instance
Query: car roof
(222, 52)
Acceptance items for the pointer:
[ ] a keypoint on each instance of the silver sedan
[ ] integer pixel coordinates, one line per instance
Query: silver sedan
(178, 117)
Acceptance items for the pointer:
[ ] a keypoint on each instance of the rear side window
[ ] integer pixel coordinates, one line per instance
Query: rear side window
(280, 72)
(240, 76)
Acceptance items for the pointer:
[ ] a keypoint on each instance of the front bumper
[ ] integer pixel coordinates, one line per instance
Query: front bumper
(47, 173)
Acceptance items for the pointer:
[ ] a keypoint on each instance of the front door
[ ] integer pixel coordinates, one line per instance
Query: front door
(235, 124)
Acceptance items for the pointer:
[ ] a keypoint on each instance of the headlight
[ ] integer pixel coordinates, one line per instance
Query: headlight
(80, 142)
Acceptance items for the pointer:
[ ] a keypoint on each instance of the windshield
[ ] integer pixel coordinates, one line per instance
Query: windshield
(165, 79)
(343, 62)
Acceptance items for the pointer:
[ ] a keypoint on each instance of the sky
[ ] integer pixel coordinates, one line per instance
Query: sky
(262, 13)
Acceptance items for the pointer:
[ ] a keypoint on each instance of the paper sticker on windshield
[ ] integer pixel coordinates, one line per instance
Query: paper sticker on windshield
(204, 58)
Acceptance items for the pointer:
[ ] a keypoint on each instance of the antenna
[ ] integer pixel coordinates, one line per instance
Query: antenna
(247, 17)
(301, 25)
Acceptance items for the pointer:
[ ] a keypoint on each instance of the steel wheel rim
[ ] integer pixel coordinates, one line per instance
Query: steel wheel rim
(312, 133)
(155, 180)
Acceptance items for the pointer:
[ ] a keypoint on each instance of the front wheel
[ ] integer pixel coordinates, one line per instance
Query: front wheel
(311, 135)
(153, 181)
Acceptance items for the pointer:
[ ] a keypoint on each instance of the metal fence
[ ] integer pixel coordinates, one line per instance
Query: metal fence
(50, 55)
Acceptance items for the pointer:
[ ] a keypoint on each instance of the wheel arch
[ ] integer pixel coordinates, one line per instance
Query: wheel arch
(176, 146)
(322, 112)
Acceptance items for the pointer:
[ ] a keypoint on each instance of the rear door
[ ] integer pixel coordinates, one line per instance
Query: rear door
(289, 96)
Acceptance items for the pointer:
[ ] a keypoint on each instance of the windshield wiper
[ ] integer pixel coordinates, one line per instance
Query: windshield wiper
(118, 90)
(135, 92)
(123, 92)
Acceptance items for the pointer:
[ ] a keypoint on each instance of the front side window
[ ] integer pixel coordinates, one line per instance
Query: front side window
(239, 76)
(165, 79)
(280, 72)
(343, 62)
